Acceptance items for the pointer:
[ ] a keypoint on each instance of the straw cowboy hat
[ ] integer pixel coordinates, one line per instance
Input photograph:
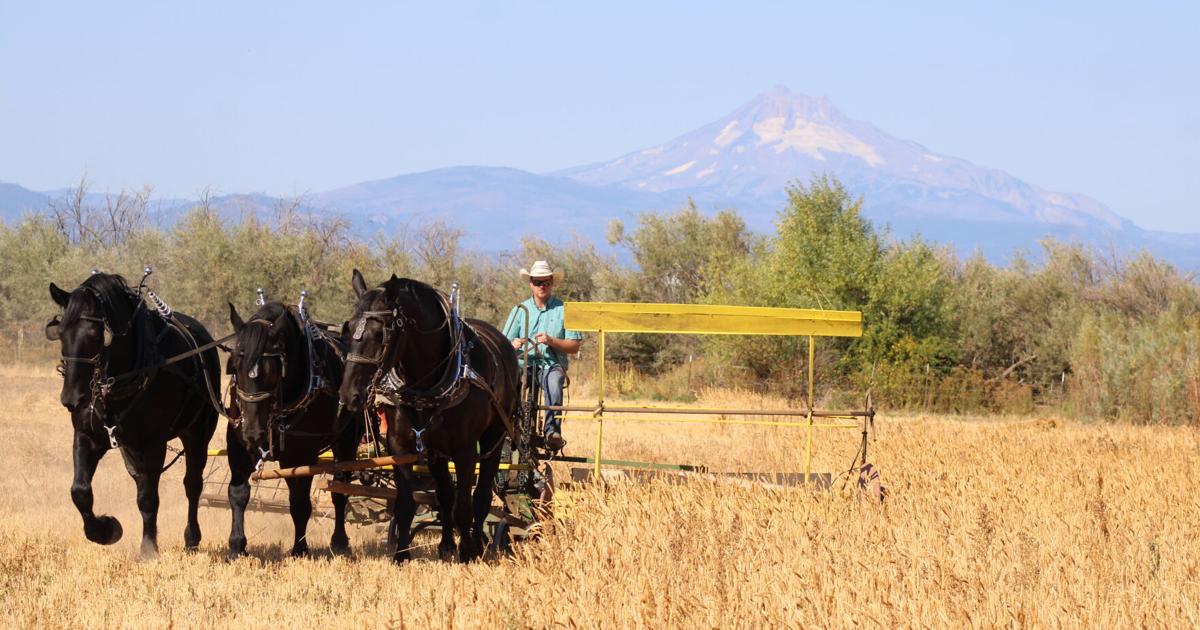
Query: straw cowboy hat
(541, 269)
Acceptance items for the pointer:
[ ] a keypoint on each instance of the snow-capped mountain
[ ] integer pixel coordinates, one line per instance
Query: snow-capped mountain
(748, 157)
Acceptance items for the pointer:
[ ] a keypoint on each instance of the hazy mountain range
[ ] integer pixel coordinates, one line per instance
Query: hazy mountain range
(744, 161)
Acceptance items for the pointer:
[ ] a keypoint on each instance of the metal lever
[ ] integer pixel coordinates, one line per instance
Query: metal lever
(301, 307)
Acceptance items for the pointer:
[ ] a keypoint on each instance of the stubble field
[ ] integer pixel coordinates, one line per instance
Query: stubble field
(990, 521)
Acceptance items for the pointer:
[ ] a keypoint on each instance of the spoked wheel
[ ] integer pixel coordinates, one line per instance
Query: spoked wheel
(519, 487)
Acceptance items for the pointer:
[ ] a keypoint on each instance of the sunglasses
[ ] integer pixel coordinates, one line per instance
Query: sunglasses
(541, 283)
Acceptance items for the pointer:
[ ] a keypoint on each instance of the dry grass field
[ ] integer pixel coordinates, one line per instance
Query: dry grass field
(991, 521)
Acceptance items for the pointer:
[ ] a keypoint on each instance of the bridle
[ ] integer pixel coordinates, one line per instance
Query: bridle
(95, 360)
(277, 409)
(392, 323)
(101, 385)
(453, 373)
(270, 394)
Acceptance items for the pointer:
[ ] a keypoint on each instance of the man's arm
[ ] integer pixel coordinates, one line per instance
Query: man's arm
(569, 346)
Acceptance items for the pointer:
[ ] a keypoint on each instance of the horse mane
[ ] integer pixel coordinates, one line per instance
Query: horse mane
(415, 288)
(111, 290)
(252, 340)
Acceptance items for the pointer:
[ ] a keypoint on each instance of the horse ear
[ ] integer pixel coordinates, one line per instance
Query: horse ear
(360, 285)
(52, 328)
(59, 296)
(235, 319)
(392, 288)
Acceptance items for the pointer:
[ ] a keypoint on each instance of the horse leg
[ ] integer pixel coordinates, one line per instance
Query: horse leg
(195, 447)
(104, 530)
(345, 448)
(300, 507)
(404, 507)
(241, 463)
(145, 466)
(439, 467)
(468, 547)
(488, 468)
(403, 510)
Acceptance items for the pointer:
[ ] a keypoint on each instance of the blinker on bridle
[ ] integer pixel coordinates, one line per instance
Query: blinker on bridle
(253, 373)
(391, 321)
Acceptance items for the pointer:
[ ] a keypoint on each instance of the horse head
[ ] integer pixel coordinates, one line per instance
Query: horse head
(259, 367)
(92, 328)
(374, 337)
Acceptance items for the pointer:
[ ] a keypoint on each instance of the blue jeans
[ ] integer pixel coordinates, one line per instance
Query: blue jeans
(551, 381)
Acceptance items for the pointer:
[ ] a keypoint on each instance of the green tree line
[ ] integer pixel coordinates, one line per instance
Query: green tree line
(1089, 334)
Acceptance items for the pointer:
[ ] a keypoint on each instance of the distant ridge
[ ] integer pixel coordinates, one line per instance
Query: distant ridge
(745, 161)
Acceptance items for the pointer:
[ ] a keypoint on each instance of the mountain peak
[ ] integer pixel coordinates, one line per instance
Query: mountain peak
(781, 101)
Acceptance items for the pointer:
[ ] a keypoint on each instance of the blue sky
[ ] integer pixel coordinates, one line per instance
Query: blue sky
(288, 98)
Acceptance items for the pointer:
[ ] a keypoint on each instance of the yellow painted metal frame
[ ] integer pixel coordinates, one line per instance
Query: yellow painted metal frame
(706, 319)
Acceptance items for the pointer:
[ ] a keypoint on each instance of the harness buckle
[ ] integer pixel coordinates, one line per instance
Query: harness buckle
(420, 441)
(112, 437)
(263, 455)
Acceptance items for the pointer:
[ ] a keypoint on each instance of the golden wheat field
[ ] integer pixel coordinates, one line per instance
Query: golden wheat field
(990, 521)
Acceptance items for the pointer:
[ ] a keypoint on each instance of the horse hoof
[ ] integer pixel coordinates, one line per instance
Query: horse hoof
(300, 552)
(104, 530)
(149, 550)
(468, 553)
(401, 556)
(446, 551)
(339, 545)
(237, 549)
(191, 541)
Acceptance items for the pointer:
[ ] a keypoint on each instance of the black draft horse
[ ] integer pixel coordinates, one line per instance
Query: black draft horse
(120, 395)
(457, 401)
(286, 379)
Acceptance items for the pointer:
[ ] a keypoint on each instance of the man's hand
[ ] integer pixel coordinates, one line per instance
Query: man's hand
(543, 338)
(517, 343)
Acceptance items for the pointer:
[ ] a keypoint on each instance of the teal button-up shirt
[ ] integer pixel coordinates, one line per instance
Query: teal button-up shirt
(547, 320)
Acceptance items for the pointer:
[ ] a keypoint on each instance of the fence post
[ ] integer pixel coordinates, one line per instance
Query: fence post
(808, 447)
(600, 410)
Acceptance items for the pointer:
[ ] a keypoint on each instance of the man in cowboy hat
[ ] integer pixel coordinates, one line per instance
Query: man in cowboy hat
(547, 339)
